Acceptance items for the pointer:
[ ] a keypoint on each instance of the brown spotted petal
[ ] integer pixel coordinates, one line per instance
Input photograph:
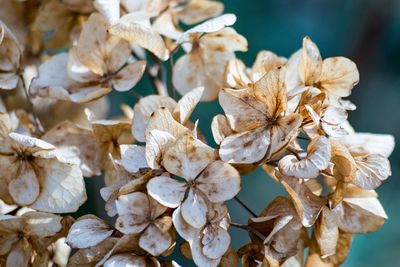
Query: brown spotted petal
(310, 67)
(367, 143)
(326, 232)
(215, 241)
(307, 204)
(194, 209)
(318, 156)
(198, 10)
(187, 157)
(25, 188)
(143, 110)
(129, 76)
(338, 76)
(219, 182)
(155, 241)
(167, 191)
(220, 128)
(372, 171)
(134, 213)
(133, 158)
(88, 231)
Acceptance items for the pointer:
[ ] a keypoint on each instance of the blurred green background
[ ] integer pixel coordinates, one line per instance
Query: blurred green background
(366, 31)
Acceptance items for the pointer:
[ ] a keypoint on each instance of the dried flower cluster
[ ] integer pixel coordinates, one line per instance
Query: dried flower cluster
(58, 62)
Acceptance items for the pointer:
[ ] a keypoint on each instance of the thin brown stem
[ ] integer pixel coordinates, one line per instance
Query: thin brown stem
(245, 206)
(36, 122)
(249, 229)
(171, 75)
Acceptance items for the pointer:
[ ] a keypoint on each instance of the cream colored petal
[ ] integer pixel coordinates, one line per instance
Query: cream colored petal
(89, 94)
(242, 109)
(52, 78)
(156, 210)
(310, 67)
(162, 120)
(25, 188)
(339, 75)
(42, 224)
(194, 209)
(246, 147)
(187, 104)
(303, 169)
(198, 10)
(165, 25)
(135, 27)
(361, 143)
(167, 191)
(219, 182)
(131, 223)
(265, 62)
(185, 230)
(133, 157)
(109, 8)
(362, 215)
(136, 203)
(8, 81)
(143, 110)
(236, 75)
(372, 171)
(211, 25)
(187, 157)
(326, 233)
(198, 257)
(62, 186)
(307, 204)
(98, 50)
(66, 135)
(129, 76)
(224, 40)
(92, 255)
(155, 241)
(20, 255)
(317, 159)
(270, 90)
(88, 231)
(201, 67)
(126, 260)
(220, 128)
(215, 241)
(156, 145)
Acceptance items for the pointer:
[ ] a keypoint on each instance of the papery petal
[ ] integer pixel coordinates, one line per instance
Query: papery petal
(109, 8)
(25, 188)
(133, 157)
(62, 186)
(156, 145)
(215, 241)
(187, 104)
(129, 76)
(219, 182)
(372, 171)
(246, 147)
(143, 110)
(194, 209)
(154, 241)
(88, 231)
(187, 157)
(167, 191)
(310, 67)
(126, 260)
(339, 75)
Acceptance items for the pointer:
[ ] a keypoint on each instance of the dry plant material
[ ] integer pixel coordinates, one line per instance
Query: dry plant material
(162, 177)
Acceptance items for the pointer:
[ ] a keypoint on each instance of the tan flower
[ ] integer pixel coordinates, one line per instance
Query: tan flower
(35, 175)
(147, 105)
(317, 159)
(10, 58)
(256, 115)
(238, 76)
(139, 213)
(96, 64)
(210, 242)
(27, 235)
(336, 76)
(212, 46)
(206, 180)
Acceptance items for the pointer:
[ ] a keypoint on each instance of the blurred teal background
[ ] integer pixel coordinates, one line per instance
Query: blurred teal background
(368, 32)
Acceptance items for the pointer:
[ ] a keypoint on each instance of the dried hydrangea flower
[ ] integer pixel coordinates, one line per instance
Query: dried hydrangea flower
(36, 175)
(10, 58)
(317, 159)
(335, 76)
(28, 234)
(206, 180)
(256, 115)
(210, 242)
(139, 213)
(212, 47)
(96, 64)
